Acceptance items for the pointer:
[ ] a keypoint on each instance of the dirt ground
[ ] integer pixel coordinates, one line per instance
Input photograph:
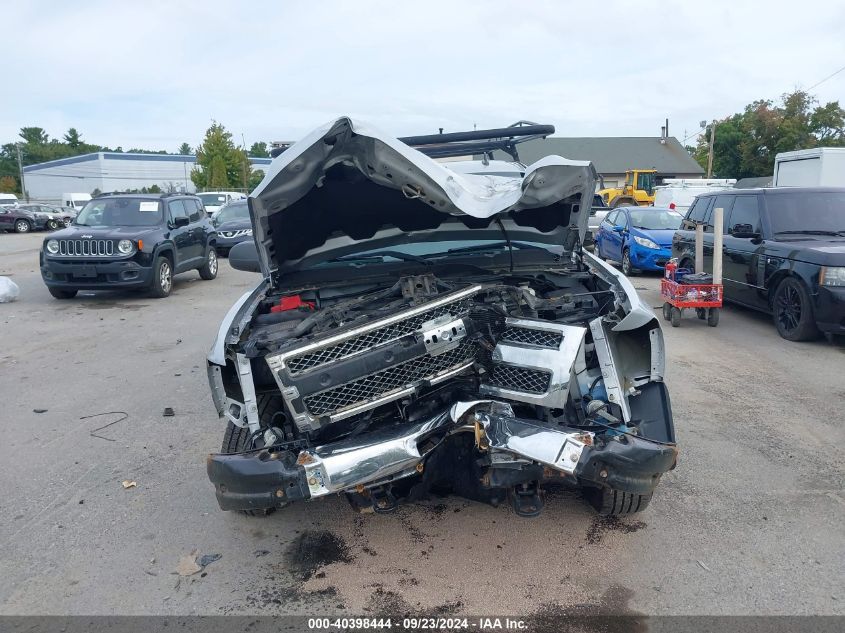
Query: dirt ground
(749, 523)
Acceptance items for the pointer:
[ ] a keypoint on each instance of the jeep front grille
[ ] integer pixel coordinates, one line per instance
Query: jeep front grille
(536, 338)
(372, 338)
(384, 383)
(520, 379)
(86, 248)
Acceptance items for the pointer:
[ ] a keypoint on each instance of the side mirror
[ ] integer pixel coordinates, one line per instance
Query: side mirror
(181, 221)
(244, 256)
(744, 231)
(618, 229)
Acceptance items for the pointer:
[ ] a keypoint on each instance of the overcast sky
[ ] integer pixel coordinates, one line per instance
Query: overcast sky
(154, 74)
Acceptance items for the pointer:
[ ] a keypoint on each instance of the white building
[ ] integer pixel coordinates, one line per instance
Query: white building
(113, 171)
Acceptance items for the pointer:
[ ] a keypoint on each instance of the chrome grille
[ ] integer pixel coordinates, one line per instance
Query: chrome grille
(537, 338)
(86, 248)
(381, 384)
(520, 379)
(368, 340)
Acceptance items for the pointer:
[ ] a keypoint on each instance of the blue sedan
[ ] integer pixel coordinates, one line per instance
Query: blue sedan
(640, 238)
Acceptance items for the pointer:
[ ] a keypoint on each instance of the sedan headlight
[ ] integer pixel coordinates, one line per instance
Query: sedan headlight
(645, 242)
(832, 276)
(125, 246)
(53, 246)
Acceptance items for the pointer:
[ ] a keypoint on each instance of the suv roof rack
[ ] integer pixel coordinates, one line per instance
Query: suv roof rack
(473, 142)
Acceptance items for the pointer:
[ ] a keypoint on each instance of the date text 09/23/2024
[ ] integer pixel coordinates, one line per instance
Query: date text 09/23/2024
(417, 624)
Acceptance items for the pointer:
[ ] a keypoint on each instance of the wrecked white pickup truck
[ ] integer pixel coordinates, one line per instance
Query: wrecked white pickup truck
(433, 327)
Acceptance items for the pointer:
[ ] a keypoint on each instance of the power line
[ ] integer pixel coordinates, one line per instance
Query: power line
(826, 78)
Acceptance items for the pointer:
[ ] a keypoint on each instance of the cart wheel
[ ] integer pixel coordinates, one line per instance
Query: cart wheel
(713, 317)
(667, 311)
(701, 313)
(676, 316)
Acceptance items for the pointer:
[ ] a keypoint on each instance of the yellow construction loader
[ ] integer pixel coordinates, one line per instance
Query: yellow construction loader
(638, 190)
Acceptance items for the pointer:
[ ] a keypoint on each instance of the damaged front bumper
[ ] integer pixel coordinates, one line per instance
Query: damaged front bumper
(508, 452)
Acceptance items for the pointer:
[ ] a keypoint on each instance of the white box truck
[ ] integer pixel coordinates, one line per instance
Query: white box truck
(75, 200)
(817, 167)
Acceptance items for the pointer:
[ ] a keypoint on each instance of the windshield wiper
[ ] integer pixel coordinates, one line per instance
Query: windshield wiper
(496, 246)
(813, 232)
(380, 257)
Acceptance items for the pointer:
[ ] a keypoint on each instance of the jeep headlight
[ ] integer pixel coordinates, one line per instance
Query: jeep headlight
(645, 242)
(53, 246)
(125, 246)
(832, 276)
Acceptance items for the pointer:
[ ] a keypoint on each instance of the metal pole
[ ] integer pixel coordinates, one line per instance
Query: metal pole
(699, 248)
(710, 152)
(718, 219)
(20, 169)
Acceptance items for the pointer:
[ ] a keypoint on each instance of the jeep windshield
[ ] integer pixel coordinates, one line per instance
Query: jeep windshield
(807, 213)
(120, 212)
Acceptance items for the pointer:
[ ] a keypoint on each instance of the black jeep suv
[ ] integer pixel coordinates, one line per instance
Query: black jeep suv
(130, 241)
(783, 253)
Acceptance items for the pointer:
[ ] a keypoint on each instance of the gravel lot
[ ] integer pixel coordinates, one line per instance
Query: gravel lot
(749, 523)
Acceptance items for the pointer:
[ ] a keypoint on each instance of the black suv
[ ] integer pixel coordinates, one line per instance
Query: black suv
(783, 253)
(130, 241)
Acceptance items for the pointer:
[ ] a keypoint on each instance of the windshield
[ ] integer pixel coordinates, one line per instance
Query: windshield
(815, 211)
(233, 211)
(120, 212)
(646, 182)
(652, 219)
(212, 199)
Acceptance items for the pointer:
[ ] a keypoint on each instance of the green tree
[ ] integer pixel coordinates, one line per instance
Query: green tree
(34, 135)
(218, 160)
(185, 149)
(255, 178)
(259, 150)
(746, 143)
(8, 184)
(154, 189)
(73, 139)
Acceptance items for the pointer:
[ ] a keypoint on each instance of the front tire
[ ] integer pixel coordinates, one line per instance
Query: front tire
(793, 311)
(53, 224)
(209, 270)
(162, 278)
(611, 502)
(22, 226)
(62, 293)
(627, 267)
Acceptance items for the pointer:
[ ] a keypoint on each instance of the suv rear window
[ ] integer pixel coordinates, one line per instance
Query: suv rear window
(745, 211)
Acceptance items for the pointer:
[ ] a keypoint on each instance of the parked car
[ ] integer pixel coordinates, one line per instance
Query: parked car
(640, 238)
(213, 200)
(783, 253)
(9, 199)
(598, 212)
(233, 225)
(20, 219)
(410, 335)
(57, 217)
(123, 241)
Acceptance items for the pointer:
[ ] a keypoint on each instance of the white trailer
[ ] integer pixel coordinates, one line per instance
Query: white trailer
(817, 167)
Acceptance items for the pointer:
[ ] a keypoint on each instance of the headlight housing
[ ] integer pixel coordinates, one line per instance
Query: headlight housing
(645, 242)
(832, 276)
(53, 246)
(125, 246)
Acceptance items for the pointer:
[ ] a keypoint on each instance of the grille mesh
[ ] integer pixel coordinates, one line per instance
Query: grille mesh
(520, 379)
(537, 338)
(383, 382)
(368, 340)
(86, 248)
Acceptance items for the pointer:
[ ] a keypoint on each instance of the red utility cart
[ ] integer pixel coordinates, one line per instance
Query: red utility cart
(677, 294)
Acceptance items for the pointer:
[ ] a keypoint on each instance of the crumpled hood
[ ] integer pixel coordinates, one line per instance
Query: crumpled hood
(347, 186)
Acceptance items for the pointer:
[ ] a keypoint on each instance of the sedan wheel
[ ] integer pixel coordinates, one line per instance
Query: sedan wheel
(22, 226)
(627, 267)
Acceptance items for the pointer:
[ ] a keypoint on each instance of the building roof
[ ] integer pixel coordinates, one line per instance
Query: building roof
(615, 154)
(179, 158)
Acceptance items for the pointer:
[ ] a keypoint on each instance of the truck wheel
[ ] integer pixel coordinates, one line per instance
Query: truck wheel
(162, 278)
(713, 317)
(62, 293)
(676, 317)
(208, 271)
(611, 502)
(23, 226)
(793, 311)
(235, 439)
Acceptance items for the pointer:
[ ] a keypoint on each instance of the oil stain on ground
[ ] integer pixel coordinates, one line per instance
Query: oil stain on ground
(312, 550)
(611, 614)
(601, 525)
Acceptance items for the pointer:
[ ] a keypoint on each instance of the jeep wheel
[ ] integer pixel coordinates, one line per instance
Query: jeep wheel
(209, 270)
(610, 502)
(793, 311)
(627, 267)
(162, 278)
(22, 226)
(62, 293)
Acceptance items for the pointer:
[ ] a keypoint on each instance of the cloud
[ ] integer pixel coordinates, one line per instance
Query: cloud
(154, 74)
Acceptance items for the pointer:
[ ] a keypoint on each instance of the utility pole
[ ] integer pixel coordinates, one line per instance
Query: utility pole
(20, 169)
(710, 151)
(246, 162)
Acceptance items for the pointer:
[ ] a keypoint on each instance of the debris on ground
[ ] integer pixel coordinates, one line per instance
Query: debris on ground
(39, 410)
(168, 412)
(188, 565)
(703, 566)
(9, 290)
(128, 483)
(207, 559)
(123, 414)
(261, 552)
